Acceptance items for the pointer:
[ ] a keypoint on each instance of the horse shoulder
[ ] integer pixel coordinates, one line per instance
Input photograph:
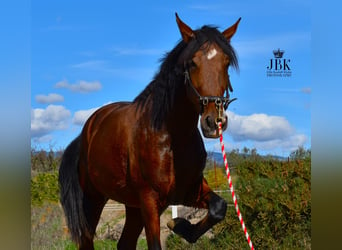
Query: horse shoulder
(152, 158)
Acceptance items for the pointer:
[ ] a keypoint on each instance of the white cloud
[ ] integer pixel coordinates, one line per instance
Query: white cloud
(81, 116)
(80, 86)
(43, 139)
(50, 98)
(43, 121)
(258, 127)
(266, 133)
(290, 143)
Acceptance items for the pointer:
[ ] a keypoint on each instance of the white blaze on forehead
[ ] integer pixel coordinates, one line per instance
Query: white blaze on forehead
(211, 54)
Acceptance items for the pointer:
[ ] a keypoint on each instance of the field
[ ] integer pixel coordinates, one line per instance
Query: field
(274, 197)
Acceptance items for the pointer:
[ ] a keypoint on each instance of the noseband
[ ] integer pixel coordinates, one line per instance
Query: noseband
(205, 100)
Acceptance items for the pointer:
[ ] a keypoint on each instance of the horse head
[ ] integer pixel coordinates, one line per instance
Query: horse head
(206, 73)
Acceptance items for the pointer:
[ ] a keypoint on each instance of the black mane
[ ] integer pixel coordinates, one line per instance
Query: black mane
(162, 90)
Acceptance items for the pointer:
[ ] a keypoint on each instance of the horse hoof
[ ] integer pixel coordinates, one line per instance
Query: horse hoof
(183, 228)
(171, 224)
(177, 223)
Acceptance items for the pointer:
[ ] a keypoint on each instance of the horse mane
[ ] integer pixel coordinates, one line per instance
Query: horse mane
(162, 90)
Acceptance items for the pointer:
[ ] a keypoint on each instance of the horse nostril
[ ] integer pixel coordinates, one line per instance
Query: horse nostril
(210, 122)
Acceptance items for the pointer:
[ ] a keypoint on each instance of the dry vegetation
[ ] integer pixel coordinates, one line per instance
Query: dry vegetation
(274, 197)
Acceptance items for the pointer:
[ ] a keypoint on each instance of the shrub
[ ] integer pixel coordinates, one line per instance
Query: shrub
(274, 197)
(44, 187)
(275, 201)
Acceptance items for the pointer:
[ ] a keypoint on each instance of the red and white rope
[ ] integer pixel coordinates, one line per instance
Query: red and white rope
(229, 178)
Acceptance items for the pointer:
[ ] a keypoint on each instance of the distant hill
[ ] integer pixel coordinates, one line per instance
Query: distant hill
(217, 157)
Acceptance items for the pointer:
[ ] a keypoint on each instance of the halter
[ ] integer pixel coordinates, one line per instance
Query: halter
(204, 100)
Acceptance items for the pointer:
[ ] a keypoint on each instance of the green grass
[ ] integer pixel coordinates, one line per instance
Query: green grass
(98, 245)
(104, 245)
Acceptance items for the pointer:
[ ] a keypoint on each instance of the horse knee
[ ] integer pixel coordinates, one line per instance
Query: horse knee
(217, 208)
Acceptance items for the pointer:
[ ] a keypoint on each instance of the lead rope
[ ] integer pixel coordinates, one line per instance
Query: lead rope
(219, 123)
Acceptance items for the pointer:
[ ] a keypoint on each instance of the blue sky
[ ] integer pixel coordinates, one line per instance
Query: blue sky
(85, 55)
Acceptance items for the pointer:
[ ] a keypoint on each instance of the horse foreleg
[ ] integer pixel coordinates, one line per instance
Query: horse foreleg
(150, 213)
(217, 208)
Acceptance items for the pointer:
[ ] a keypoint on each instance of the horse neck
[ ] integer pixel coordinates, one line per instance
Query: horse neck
(183, 118)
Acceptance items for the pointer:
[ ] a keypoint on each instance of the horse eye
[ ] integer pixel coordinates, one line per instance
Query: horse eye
(192, 64)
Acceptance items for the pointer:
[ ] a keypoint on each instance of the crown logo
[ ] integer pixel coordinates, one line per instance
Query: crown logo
(278, 53)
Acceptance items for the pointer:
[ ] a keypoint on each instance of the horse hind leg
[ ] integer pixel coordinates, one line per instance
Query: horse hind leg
(132, 229)
(93, 207)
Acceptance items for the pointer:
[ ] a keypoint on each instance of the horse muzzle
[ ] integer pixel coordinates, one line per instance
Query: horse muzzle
(209, 125)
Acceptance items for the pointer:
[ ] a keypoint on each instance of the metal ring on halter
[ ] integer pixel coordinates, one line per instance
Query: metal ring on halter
(205, 101)
(218, 120)
(218, 102)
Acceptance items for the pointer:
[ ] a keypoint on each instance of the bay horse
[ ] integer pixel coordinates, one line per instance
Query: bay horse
(149, 154)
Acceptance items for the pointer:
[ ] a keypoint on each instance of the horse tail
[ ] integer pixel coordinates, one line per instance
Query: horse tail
(71, 194)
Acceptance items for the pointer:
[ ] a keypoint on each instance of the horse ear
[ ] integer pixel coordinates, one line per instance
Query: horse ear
(185, 30)
(228, 33)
